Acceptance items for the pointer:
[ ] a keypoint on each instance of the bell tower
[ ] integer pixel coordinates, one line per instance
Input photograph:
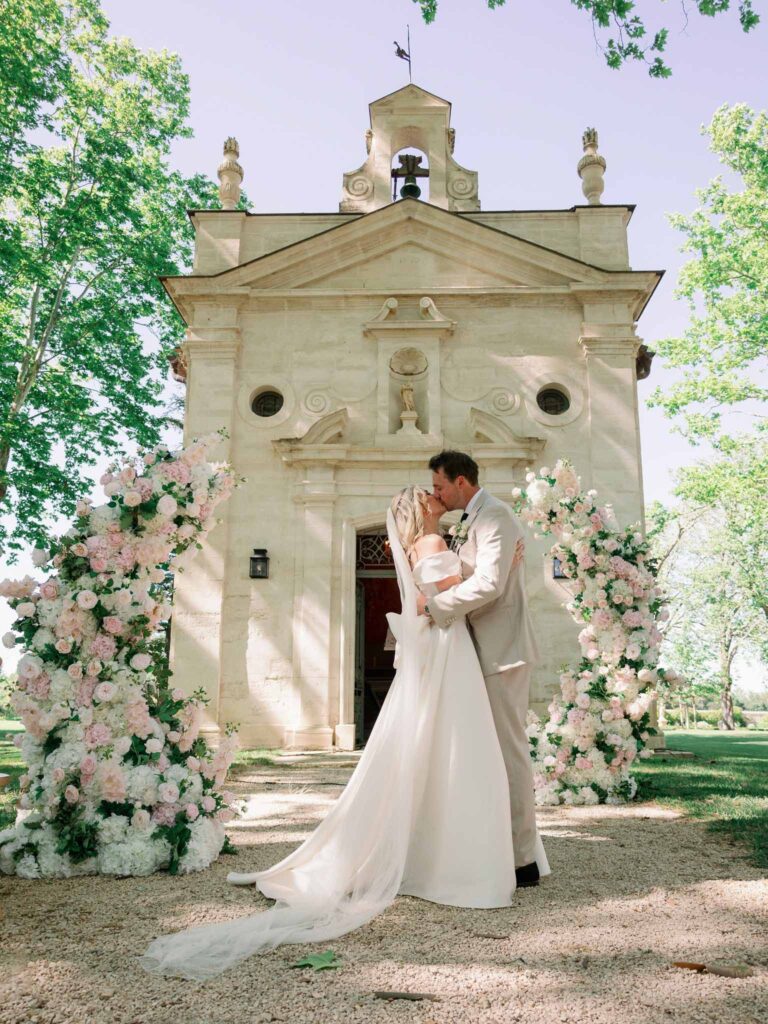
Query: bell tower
(410, 118)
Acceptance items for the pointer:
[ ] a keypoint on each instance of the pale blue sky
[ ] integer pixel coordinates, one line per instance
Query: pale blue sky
(292, 81)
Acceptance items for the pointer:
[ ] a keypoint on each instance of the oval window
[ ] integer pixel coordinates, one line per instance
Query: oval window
(267, 403)
(553, 401)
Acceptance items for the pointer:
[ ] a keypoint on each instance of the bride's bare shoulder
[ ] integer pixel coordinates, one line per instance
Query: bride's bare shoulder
(430, 544)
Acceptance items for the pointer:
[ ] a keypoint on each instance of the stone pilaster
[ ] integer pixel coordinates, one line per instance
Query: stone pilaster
(211, 356)
(312, 636)
(615, 460)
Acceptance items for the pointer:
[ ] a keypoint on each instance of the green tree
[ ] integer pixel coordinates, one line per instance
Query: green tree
(626, 35)
(721, 354)
(713, 616)
(90, 215)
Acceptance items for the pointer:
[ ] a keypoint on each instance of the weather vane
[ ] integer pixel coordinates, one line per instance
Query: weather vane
(405, 54)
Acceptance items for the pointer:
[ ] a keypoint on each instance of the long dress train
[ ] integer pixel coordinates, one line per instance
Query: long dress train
(425, 813)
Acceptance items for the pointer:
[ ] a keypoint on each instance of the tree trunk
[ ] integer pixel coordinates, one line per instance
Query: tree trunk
(726, 692)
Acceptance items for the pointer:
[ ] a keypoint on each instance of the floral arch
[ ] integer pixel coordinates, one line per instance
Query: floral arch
(602, 721)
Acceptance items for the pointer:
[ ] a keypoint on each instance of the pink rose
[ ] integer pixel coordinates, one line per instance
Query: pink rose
(63, 646)
(88, 765)
(193, 811)
(209, 804)
(97, 735)
(141, 819)
(141, 661)
(174, 737)
(25, 610)
(75, 670)
(112, 781)
(49, 590)
(164, 814)
(168, 792)
(86, 599)
(113, 625)
(193, 764)
(166, 506)
(71, 794)
(99, 563)
(105, 691)
(94, 667)
(132, 498)
(79, 549)
(57, 775)
(153, 745)
(128, 475)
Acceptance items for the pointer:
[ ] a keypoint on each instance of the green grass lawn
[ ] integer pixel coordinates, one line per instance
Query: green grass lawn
(10, 764)
(726, 782)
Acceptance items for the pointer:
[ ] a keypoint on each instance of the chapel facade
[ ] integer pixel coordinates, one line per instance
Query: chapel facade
(341, 350)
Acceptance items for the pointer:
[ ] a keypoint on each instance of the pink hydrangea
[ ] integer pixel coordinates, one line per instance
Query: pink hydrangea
(112, 624)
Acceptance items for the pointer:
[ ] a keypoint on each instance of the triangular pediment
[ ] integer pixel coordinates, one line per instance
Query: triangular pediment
(410, 245)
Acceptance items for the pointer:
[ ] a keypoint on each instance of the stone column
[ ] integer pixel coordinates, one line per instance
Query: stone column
(196, 632)
(312, 616)
(614, 430)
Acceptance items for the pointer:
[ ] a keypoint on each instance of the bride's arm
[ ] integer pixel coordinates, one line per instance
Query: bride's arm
(447, 583)
(433, 544)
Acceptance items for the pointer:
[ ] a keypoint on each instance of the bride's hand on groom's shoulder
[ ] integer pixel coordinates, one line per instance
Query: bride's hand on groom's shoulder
(519, 554)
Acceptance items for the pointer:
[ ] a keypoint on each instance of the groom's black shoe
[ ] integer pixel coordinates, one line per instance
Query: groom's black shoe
(527, 876)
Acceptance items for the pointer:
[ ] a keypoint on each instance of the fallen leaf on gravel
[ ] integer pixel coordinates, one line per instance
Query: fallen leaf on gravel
(319, 961)
(724, 971)
(414, 996)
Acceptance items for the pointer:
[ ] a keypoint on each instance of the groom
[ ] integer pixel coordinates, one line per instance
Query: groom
(492, 596)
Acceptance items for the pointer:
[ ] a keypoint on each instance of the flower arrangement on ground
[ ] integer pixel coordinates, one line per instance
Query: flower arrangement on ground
(601, 723)
(119, 781)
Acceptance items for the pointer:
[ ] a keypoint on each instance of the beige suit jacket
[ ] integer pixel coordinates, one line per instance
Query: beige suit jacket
(492, 594)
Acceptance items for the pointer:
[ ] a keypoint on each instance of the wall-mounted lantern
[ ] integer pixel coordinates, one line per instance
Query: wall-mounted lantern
(259, 564)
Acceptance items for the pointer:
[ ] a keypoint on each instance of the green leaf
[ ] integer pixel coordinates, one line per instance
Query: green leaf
(319, 961)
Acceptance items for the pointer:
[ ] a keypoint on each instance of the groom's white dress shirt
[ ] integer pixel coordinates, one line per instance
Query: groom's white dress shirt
(492, 594)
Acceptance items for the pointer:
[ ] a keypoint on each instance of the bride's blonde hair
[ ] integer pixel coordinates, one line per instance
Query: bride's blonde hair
(408, 508)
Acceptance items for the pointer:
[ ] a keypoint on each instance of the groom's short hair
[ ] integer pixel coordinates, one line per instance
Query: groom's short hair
(455, 464)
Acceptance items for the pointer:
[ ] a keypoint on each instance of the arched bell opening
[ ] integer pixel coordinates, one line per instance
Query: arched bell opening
(410, 175)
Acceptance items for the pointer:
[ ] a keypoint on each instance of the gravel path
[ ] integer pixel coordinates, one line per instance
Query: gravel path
(632, 889)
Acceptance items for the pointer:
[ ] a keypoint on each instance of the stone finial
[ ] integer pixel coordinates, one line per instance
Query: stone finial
(591, 168)
(230, 175)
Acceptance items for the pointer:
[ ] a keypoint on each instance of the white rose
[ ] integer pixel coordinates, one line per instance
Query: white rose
(9, 639)
(166, 506)
(131, 499)
(25, 610)
(40, 556)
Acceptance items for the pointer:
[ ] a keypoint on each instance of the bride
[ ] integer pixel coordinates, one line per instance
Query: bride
(426, 811)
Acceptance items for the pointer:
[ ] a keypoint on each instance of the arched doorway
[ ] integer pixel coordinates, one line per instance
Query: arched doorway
(376, 593)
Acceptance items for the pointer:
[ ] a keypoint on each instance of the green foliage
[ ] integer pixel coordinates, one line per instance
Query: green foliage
(7, 687)
(714, 616)
(722, 352)
(631, 39)
(726, 784)
(91, 214)
(178, 836)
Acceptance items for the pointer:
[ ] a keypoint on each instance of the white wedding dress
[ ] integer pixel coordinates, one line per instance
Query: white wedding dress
(425, 813)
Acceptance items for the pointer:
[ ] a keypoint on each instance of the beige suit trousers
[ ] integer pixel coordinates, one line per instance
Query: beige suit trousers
(508, 695)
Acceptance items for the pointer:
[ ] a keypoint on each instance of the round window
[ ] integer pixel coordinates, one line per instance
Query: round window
(267, 403)
(553, 401)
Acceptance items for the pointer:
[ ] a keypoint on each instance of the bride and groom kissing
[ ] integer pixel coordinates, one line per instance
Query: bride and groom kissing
(441, 803)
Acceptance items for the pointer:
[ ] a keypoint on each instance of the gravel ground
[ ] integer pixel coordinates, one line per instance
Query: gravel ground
(632, 889)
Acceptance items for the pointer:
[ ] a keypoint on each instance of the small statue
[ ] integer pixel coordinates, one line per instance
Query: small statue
(406, 393)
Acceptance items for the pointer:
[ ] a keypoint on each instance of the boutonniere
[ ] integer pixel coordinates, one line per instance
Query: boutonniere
(459, 533)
